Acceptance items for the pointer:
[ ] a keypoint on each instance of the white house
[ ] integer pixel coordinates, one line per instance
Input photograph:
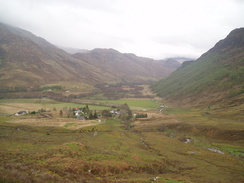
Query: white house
(21, 113)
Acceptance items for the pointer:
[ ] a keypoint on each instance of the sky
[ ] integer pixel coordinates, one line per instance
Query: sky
(150, 28)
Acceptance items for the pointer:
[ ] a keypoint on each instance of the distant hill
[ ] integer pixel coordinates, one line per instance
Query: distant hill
(170, 62)
(127, 67)
(215, 78)
(183, 59)
(28, 61)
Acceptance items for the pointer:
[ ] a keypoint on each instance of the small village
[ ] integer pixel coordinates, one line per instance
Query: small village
(84, 113)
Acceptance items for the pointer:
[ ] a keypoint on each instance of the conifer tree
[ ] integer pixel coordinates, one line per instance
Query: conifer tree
(95, 115)
(61, 113)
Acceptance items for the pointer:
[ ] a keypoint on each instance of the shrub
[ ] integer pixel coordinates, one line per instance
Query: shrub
(234, 93)
(141, 115)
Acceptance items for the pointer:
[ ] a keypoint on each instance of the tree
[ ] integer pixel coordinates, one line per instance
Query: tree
(125, 112)
(95, 115)
(90, 115)
(126, 115)
(106, 113)
(61, 113)
(141, 115)
(86, 109)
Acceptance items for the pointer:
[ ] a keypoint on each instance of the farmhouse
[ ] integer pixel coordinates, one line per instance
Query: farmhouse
(77, 111)
(114, 112)
(21, 113)
(80, 118)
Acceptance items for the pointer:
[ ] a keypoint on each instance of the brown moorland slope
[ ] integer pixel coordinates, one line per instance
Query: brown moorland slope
(25, 63)
(127, 67)
(28, 61)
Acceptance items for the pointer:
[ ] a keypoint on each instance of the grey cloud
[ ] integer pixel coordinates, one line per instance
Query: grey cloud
(157, 28)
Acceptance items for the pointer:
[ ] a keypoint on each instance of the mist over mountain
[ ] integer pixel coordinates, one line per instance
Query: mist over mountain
(72, 50)
(216, 78)
(28, 61)
(170, 62)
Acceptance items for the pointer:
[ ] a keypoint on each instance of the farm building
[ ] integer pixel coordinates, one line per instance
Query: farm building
(21, 113)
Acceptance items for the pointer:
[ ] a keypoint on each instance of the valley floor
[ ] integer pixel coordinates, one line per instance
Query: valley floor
(171, 145)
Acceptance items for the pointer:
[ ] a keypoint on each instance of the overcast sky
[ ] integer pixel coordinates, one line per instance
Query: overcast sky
(149, 28)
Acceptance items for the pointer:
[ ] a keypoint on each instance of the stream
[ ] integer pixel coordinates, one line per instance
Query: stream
(215, 150)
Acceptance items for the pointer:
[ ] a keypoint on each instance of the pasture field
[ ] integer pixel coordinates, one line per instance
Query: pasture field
(152, 150)
(11, 106)
(136, 104)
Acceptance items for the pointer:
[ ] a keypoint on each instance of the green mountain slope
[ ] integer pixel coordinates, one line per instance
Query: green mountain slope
(216, 78)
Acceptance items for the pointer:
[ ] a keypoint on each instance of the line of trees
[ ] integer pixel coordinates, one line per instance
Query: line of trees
(85, 112)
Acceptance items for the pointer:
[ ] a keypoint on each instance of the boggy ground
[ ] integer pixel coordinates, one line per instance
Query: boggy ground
(151, 150)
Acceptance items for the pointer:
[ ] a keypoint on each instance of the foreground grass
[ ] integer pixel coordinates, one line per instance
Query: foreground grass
(107, 153)
(152, 150)
(225, 119)
(220, 128)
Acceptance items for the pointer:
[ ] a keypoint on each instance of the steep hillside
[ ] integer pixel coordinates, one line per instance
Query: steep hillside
(216, 78)
(28, 61)
(127, 67)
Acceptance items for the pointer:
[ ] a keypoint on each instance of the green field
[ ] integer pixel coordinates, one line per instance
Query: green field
(11, 106)
(135, 103)
(23, 104)
(23, 100)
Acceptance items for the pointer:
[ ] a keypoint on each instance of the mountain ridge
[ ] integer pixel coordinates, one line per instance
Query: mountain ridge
(28, 61)
(111, 59)
(216, 78)
(27, 34)
(25, 60)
